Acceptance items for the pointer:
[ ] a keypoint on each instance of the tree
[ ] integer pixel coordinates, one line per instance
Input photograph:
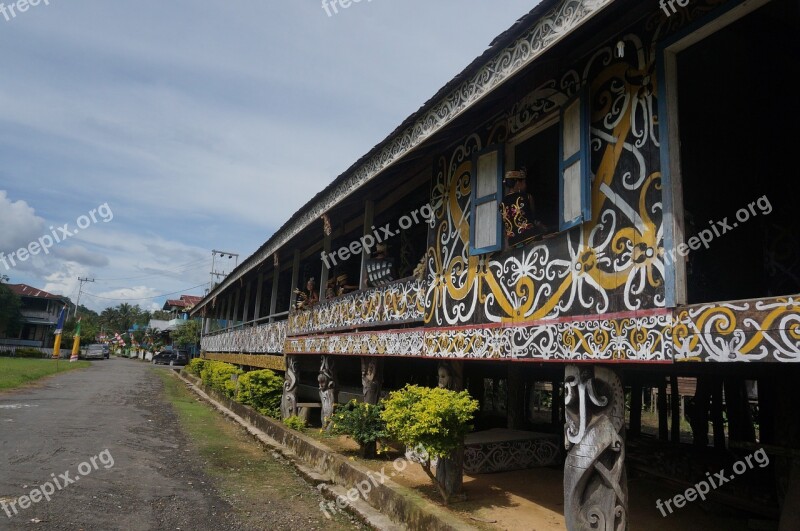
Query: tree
(187, 333)
(10, 316)
(434, 419)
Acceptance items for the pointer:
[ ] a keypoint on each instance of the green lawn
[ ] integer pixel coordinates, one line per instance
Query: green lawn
(16, 372)
(245, 474)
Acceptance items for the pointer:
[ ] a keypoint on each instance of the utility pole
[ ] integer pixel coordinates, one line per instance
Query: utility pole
(222, 254)
(77, 303)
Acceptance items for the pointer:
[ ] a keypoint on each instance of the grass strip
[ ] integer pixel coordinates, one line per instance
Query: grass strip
(246, 474)
(17, 372)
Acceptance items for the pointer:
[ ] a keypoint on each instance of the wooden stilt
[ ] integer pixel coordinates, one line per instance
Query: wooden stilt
(674, 403)
(636, 409)
(663, 431)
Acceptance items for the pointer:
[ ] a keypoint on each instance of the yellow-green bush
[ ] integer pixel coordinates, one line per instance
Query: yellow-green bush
(437, 419)
(262, 390)
(196, 366)
(294, 422)
(218, 375)
(431, 418)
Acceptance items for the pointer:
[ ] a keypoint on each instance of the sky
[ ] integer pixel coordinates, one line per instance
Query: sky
(135, 137)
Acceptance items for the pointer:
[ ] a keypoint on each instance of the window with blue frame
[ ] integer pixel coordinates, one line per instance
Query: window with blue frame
(545, 187)
(486, 226)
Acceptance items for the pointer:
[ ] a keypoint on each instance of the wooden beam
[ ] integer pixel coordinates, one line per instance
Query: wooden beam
(295, 279)
(369, 214)
(259, 289)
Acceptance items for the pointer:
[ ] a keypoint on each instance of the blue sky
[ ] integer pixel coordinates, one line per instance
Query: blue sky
(201, 125)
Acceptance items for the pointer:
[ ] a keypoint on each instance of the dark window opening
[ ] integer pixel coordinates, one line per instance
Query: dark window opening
(737, 135)
(538, 156)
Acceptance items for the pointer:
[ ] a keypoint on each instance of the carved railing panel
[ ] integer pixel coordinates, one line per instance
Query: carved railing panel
(396, 303)
(263, 339)
(749, 330)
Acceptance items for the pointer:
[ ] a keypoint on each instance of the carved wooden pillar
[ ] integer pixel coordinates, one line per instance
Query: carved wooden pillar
(371, 379)
(328, 392)
(289, 398)
(595, 484)
(450, 470)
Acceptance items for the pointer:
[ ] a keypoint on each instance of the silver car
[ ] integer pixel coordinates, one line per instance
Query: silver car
(94, 352)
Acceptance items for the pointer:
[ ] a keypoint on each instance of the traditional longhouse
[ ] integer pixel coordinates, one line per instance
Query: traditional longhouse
(599, 205)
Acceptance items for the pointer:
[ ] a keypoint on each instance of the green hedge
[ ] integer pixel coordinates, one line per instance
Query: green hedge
(219, 376)
(24, 353)
(196, 366)
(262, 390)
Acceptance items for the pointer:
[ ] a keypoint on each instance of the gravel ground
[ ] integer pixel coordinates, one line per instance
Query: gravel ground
(114, 412)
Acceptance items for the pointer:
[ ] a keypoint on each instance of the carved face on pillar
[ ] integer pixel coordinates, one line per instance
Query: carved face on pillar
(445, 378)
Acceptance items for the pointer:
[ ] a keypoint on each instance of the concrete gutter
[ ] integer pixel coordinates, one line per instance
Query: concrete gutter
(386, 506)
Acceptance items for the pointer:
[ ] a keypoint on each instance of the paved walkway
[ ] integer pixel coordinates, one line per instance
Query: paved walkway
(143, 476)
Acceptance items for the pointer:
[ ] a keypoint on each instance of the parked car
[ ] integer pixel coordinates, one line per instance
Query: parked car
(94, 352)
(106, 351)
(167, 357)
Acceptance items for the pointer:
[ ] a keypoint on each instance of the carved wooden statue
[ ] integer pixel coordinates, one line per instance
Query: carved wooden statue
(371, 379)
(289, 398)
(450, 470)
(328, 393)
(595, 484)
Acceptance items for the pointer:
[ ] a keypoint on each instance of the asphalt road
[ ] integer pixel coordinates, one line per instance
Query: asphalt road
(143, 476)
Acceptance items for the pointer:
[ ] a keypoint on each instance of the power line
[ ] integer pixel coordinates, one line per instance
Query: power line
(146, 298)
(183, 268)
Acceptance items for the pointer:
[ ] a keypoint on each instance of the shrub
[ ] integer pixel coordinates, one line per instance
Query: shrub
(262, 390)
(432, 418)
(26, 352)
(361, 422)
(218, 375)
(196, 366)
(294, 422)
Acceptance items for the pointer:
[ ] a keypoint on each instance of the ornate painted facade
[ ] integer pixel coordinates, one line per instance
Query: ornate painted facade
(396, 303)
(262, 339)
(633, 337)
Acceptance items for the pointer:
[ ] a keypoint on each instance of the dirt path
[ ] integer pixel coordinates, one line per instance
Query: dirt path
(145, 473)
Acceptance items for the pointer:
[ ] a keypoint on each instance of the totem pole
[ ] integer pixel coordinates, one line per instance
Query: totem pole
(289, 398)
(371, 379)
(328, 393)
(595, 485)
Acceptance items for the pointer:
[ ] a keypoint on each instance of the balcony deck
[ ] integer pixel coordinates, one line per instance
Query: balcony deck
(398, 303)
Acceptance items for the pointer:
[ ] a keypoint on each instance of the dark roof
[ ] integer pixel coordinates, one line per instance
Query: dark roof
(186, 301)
(24, 290)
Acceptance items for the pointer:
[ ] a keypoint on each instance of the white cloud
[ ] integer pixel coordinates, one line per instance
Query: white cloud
(19, 222)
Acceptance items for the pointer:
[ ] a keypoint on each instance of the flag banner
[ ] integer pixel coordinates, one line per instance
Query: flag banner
(76, 343)
(59, 329)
